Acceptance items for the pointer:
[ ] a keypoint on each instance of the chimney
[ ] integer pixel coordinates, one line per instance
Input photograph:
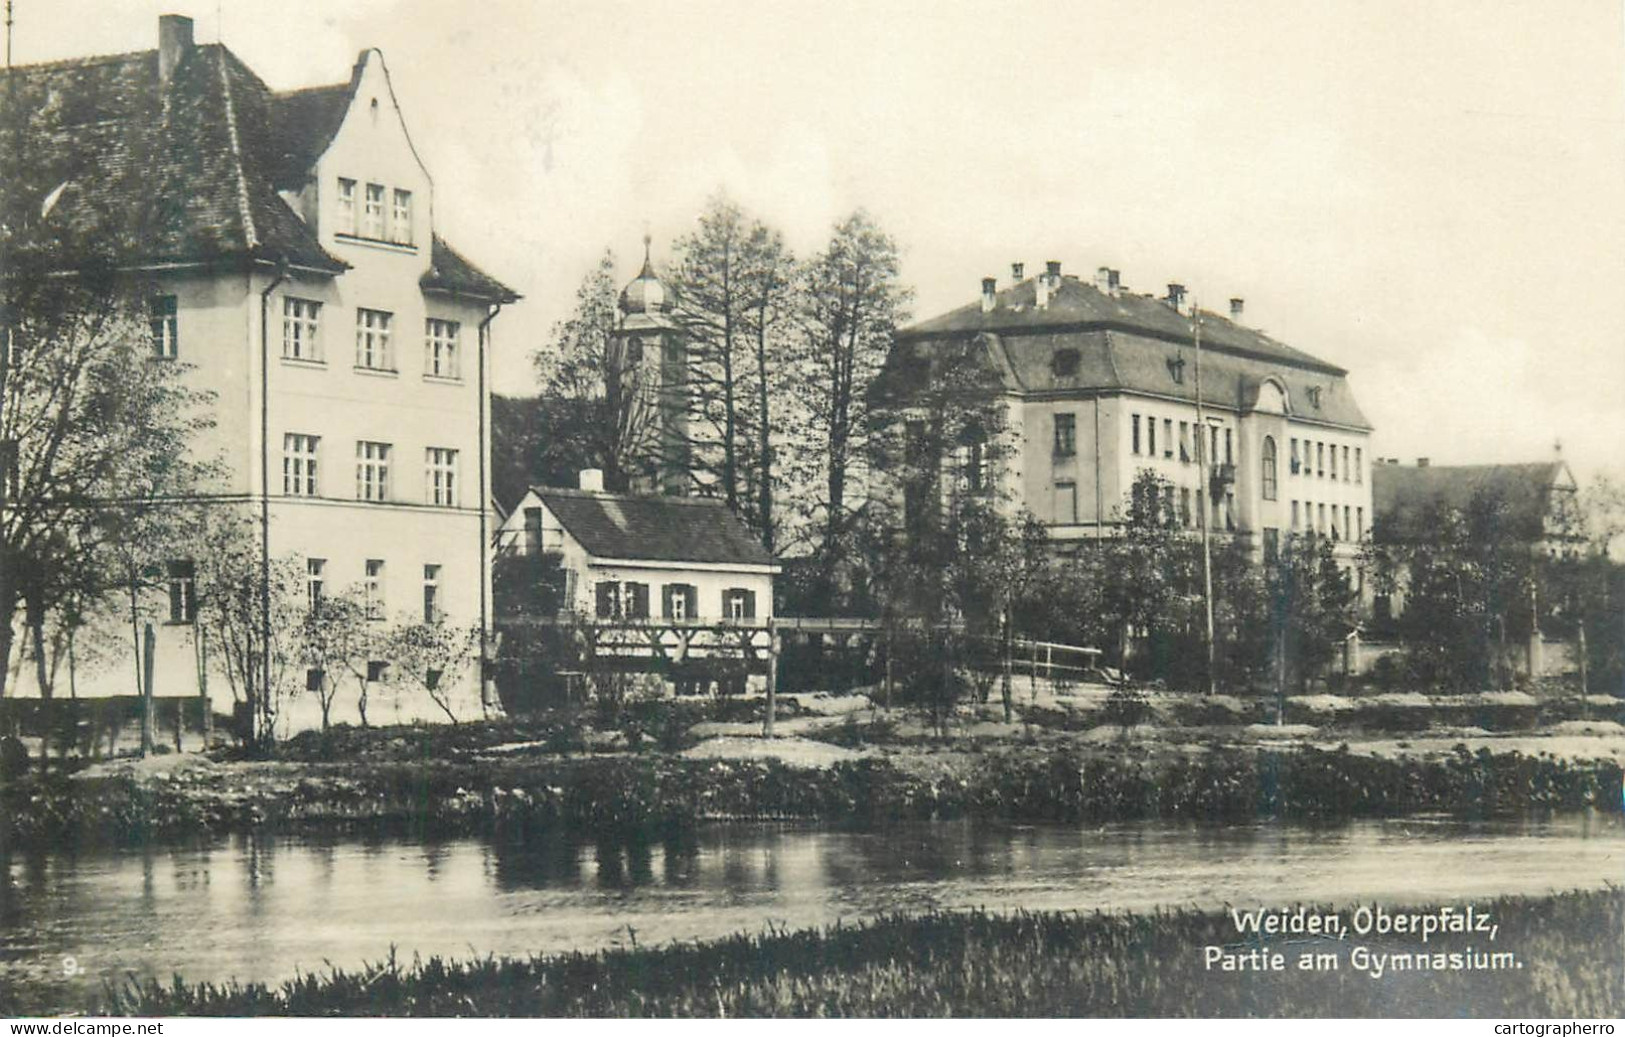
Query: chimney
(174, 40)
(1052, 271)
(1116, 282)
(1235, 308)
(1422, 462)
(1103, 279)
(592, 480)
(1176, 297)
(1017, 270)
(988, 298)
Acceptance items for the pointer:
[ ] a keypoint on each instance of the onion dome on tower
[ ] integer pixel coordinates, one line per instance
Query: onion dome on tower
(647, 295)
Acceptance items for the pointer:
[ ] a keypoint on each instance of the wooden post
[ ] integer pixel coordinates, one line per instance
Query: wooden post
(772, 680)
(149, 642)
(1585, 704)
(203, 686)
(888, 667)
(1032, 672)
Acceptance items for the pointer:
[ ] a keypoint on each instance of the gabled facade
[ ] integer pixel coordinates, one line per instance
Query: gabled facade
(300, 276)
(656, 558)
(1099, 384)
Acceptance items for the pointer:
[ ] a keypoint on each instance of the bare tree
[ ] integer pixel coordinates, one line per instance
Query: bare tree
(335, 641)
(433, 657)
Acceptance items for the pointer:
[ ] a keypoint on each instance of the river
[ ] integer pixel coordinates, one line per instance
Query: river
(264, 907)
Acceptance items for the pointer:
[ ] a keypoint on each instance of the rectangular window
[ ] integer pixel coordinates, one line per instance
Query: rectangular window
(346, 212)
(371, 471)
(1229, 450)
(372, 349)
(1333, 465)
(1320, 518)
(1294, 469)
(1168, 437)
(1151, 436)
(1347, 476)
(377, 671)
(1349, 532)
(181, 577)
(299, 326)
(1230, 511)
(1359, 466)
(635, 600)
(1066, 503)
(1185, 441)
(431, 593)
(1066, 435)
(440, 357)
(1359, 518)
(315, 581)
(1136, 433)
(372, 225)
(679, 601)
(313, 679)
(165, 324)
(738, 604)
(400, 227)
(1185, 506)
(1320, 460)
(372, 588)
(299, 464)
(440, 476)
(1294, 516)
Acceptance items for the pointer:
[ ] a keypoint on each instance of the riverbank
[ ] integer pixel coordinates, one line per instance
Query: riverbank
(428, 781)
(1566, 958)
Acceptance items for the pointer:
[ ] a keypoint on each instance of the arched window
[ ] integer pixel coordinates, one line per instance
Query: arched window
(1269, 468)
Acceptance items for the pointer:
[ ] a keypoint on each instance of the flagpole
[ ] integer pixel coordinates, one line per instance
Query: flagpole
(1204, 481)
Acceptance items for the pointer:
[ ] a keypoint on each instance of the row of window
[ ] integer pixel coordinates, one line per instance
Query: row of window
(374, 212)
(374, 339)
(627, 599)
(1340, 522)
(182, 586)
(1188, 445)
(302, 469)
(302, 337)
(1318, 459)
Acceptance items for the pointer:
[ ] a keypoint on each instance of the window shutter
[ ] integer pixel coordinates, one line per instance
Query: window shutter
(666, 595)
(606, 599)
(750, 604)
(691, 596)
(640, 601)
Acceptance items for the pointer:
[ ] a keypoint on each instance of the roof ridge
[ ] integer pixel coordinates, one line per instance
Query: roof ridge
(251, 239)
(570, 491)
(279, 94)
(83, 62)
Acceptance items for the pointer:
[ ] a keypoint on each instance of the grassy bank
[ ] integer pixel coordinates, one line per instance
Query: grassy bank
(656, 792)
(1570, 947)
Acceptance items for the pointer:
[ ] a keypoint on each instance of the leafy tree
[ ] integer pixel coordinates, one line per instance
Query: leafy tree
(253, 609)
(94, 437)
(594, 405)
(851, 300)
(433, 657)
(336, 639)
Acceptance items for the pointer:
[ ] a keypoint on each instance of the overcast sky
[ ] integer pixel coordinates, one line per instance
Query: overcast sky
(1429, 195)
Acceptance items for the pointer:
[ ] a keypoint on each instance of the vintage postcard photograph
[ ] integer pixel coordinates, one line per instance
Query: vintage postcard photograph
(812, 508)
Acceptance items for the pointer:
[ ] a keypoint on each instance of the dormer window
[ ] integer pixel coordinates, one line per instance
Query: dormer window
(1314, 396)
(1065, 363)
(1176, 370)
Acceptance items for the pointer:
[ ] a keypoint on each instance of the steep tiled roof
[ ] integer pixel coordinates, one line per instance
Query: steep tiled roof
(663, 529)
(1076, 304)
(1118, 342)
(450, 272)
(190, 172)
(1405, 498)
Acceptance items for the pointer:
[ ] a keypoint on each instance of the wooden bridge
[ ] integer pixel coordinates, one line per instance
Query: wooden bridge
(743, 647)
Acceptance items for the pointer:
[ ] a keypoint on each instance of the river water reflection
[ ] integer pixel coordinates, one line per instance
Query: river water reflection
(261, 907)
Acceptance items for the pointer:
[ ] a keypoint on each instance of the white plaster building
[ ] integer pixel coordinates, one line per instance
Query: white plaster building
(1099, 384)
(299, 274)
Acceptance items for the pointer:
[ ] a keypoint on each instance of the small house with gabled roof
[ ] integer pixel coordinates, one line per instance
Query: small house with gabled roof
(637, 557)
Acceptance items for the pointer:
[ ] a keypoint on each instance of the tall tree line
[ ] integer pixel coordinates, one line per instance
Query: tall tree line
(780, 351)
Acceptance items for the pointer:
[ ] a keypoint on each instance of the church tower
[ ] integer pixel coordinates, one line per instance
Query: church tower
(648, 384)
